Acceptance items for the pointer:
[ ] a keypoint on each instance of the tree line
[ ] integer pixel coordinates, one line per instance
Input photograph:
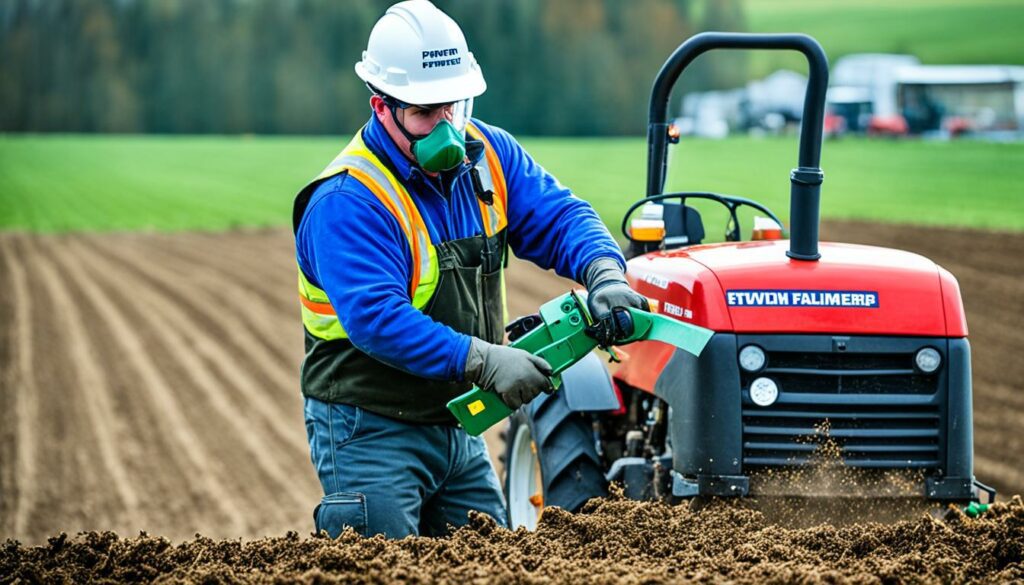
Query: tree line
(553, 67)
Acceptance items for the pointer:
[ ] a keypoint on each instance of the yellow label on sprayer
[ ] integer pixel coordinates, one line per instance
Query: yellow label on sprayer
(476, 407)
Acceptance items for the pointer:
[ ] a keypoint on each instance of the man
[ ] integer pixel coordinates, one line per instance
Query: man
(400, 244)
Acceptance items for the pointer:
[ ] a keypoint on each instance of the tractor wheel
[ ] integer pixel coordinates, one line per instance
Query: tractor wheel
(550, 460)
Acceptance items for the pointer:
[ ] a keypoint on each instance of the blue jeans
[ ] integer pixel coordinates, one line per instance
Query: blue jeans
(384, 476)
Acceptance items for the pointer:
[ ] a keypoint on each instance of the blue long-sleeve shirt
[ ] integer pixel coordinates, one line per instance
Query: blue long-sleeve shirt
(349, 245)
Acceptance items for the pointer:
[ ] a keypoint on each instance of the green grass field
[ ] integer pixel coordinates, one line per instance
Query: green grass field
(102, 183)
(137, 182)
(971, 184)
(937, 31)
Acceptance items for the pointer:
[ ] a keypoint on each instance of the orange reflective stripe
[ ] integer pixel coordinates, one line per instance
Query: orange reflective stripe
(500, 193)
(418, 228)
(372, 185)
(318, 308)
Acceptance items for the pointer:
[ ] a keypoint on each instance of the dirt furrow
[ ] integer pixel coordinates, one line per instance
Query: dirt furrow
(242, 263)
(250, 261)
(68, 486)
(231, 518)
(1012, 398)
(8, 399)
(999, 473)
(256, 249)
(25, 392)
(270, 461)
(171, 502)
(948, 246)
(992, 439)
(252, 324)
(237, 366)
(264, 293)
(93, 392)
(992, 329)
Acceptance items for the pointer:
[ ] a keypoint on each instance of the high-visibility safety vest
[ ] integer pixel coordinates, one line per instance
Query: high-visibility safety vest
(318, 316)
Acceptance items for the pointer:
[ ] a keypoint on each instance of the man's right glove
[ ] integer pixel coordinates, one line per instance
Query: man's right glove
(608, 295)
(517, 376)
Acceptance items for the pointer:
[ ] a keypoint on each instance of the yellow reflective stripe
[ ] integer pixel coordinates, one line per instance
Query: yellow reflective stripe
(326, 327)
(414, 240)
(422, 237)
(321, 322)
(428, 282)
(398, 191)
(355, 147)
(357, 156)
(335, 167)
(375, 176)
(310, 292)
(428, 261)
(419, 228)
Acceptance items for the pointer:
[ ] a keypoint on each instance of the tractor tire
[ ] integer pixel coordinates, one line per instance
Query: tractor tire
(561, 442)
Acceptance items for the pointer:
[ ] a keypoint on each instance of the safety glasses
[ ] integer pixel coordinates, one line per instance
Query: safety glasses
(458, 113)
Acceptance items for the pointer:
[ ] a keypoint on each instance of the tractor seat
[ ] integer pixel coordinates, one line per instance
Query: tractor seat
(683, 226)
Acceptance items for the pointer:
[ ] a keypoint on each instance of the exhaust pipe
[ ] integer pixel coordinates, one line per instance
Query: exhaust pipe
(804, 201)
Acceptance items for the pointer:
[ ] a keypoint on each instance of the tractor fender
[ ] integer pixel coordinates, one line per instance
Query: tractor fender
(587, 386)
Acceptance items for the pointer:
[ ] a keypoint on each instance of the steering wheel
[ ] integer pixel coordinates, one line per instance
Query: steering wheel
(731, 202)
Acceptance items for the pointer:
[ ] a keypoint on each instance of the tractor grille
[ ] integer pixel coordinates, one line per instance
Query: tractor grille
(881, 411)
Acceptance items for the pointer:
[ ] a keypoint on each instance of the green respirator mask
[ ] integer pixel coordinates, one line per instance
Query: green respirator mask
(442, 149)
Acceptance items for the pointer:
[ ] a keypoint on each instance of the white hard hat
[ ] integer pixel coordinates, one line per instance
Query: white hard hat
(418, 54)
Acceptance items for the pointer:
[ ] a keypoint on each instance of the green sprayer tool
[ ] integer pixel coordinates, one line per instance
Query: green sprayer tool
(560, 337)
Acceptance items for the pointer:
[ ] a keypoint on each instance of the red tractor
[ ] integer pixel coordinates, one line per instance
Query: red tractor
(868, 342)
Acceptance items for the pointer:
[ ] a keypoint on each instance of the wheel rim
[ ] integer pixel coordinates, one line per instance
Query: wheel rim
(525, 497)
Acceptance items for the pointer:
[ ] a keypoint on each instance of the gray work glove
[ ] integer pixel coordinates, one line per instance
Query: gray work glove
(607, 290)
(517, 376)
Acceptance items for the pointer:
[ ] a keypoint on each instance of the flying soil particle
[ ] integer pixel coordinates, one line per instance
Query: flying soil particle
(612, 541)
(823, 489)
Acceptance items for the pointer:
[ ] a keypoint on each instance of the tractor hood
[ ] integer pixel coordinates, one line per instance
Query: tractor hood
(753, 287)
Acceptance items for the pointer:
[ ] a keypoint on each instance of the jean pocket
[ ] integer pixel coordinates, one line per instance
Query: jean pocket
(345, 421)
(339, 511)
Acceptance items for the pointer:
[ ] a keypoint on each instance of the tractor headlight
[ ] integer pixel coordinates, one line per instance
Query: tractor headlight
(752, 358)
(928, 360)
(764, 391)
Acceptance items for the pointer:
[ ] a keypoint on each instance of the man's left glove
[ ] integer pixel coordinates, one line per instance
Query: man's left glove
(516, 376)
(608, 290)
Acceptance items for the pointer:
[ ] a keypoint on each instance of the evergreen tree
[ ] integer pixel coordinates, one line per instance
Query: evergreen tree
(561, 67)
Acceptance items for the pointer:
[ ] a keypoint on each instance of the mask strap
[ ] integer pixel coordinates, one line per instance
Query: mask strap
(401, 127)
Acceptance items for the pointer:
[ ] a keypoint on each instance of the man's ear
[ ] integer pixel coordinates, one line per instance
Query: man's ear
(379, 107)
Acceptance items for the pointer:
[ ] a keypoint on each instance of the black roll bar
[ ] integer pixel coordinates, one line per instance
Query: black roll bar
(806, 179)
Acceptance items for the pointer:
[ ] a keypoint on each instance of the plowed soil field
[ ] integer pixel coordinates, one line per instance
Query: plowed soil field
(149, 382)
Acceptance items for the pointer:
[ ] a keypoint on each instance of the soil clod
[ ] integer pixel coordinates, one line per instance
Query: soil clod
(613, 541)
